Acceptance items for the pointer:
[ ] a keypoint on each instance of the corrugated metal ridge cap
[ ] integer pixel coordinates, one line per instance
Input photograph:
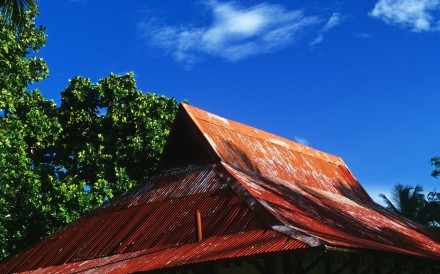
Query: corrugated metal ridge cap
(280, 226)
(197, 113)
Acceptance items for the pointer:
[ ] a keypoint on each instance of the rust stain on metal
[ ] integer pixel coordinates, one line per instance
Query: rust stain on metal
(212, 249)
(336, 219)
(199, 225)
(153, 219)
(310, 192)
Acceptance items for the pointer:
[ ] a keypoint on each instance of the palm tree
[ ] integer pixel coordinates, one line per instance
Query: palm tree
(409, 202)
(14, 11)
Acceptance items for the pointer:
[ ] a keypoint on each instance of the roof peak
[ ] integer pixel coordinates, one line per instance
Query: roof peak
(199, 114)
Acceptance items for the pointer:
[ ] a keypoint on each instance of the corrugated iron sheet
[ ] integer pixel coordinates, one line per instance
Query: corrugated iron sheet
(159, 214)
(215, 248)
(263, 153)
(337, 219)
(262, 193)
(311, 192)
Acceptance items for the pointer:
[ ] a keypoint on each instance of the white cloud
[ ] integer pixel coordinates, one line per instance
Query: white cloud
(332, 22)
(418, 15)
(236, 32)
(302, 140)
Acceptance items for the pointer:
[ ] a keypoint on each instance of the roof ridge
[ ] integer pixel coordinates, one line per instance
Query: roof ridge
(286, 143)
(280, 226)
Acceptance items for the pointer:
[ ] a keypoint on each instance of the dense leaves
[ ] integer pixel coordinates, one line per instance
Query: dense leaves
(112, 137)
(57, 163)
(435, 162)
(413, 204)
(28, 128)
(17, 70)
(15, 10)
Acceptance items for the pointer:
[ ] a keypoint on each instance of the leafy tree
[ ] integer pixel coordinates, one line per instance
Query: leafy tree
(435, 162)
(433, 209)
(56, 163)
(17, 70)
(15, 10)
(27, 125)
(112, 139)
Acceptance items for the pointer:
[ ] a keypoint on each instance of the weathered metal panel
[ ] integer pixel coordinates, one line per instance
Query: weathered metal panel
(275, 157)
(261, 194)
(149, 218)
(337, 219)
(212, 249)
(311, 192)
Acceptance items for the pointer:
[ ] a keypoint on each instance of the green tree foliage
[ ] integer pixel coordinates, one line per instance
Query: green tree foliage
(435, 162)
(17, 70)
(433, 208)
(112, 138)
(28, 128)
(14, 11)
(413, 204)
(57, 163)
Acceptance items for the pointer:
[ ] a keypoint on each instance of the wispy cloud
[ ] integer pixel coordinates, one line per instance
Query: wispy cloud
(417, 15)
(235, 32)
(332, 22)
(301, 140)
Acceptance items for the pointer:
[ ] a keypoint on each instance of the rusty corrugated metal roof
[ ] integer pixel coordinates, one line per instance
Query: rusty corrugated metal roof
(263, 153)
(240, 244)
(336, 219)
(313, 194)
(257, 192)
(159, 218)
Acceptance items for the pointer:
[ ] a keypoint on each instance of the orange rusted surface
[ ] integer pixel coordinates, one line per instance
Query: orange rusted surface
(263, 153)
(257, 193)
(312, 194)
(155, 223)
(237, 245)
(334, 219)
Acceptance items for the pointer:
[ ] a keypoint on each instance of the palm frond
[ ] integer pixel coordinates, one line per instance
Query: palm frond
(14, 11)
(389, 204)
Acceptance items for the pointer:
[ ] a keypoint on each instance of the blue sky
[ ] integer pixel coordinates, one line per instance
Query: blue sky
(358, 79)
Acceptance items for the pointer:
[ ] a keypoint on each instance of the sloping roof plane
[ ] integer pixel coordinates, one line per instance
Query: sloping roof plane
(310, 192)
(274, 157)
(258, 193)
